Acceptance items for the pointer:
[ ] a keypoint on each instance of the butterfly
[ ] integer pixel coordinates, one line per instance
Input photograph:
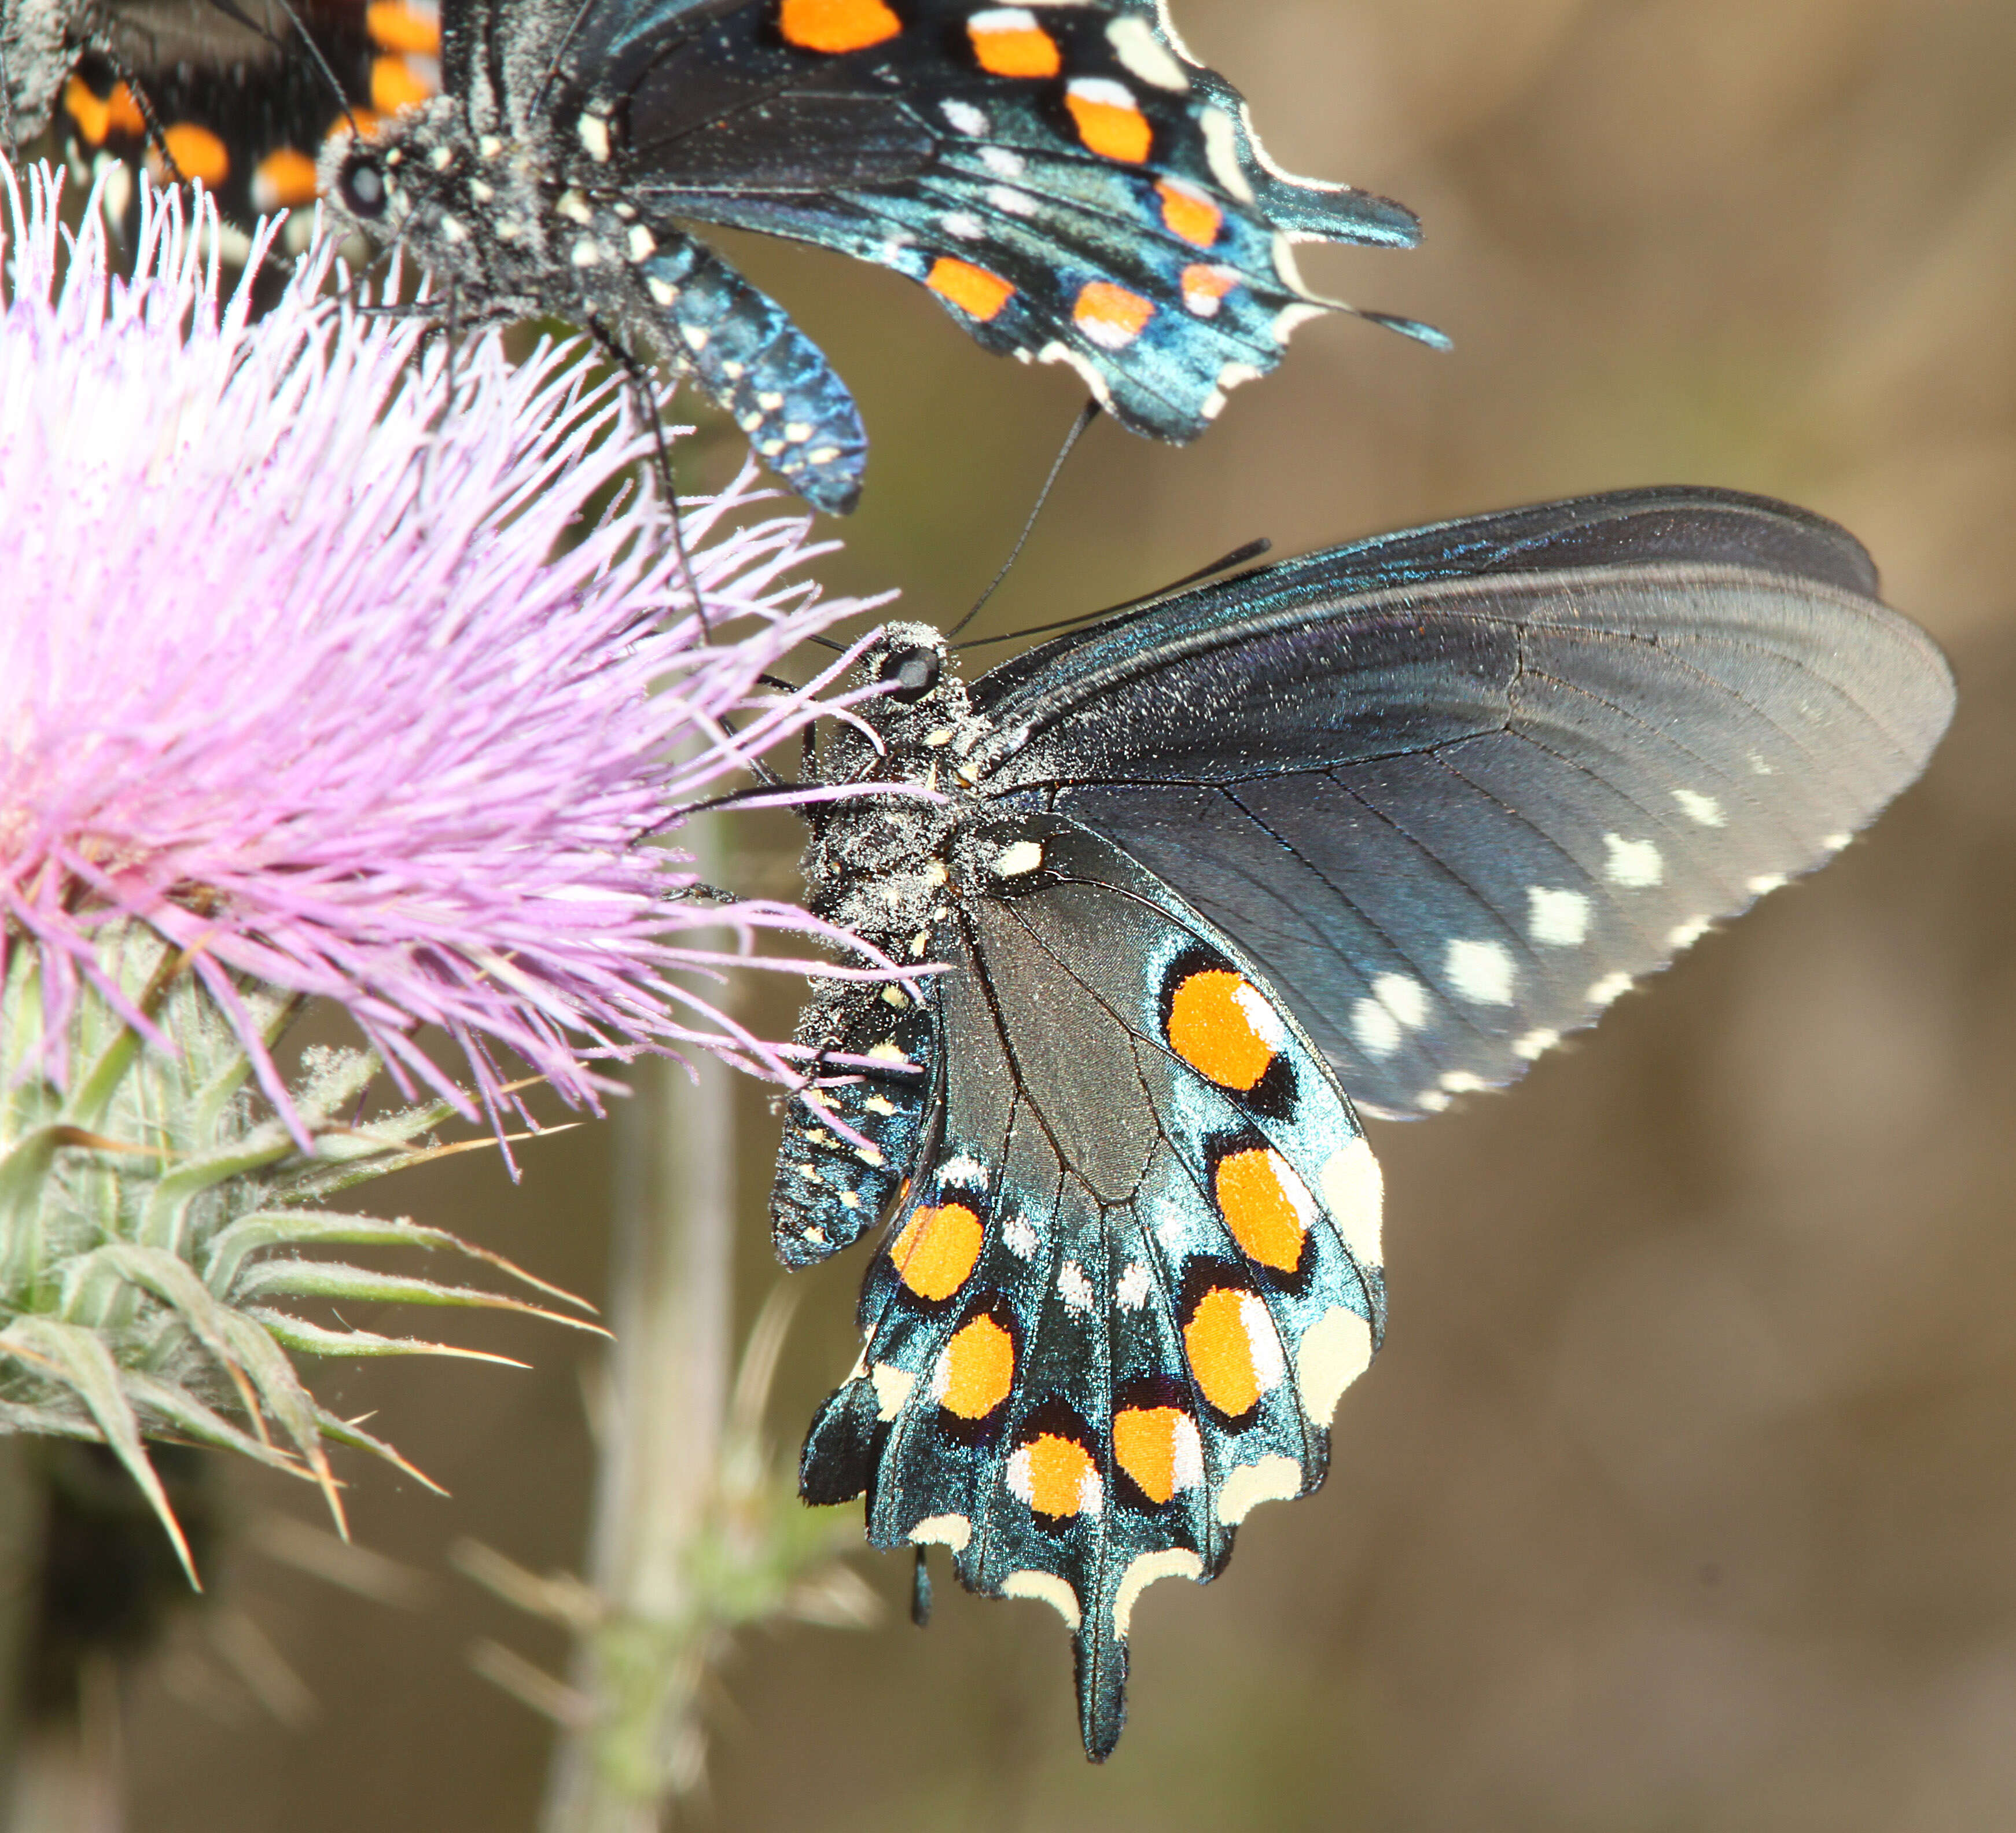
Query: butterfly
(1360, 832)
(242, 99)
(1067, 182)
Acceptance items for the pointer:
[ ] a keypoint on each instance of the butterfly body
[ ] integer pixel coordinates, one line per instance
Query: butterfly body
(1064, 180)
(1376, 826)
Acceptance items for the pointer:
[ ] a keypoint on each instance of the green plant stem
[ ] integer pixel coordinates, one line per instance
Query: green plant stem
(669, 1376)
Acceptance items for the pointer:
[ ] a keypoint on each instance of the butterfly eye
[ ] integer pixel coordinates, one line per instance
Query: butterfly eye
(362, 188)
(915, 672)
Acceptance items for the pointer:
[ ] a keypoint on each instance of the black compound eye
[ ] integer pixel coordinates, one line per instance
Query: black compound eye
(361, 185)
(914, 670)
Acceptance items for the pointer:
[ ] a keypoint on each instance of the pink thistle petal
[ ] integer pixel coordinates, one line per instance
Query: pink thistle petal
(313, 662)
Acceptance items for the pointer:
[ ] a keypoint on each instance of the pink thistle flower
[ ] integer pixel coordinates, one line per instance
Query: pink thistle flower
(312, 661)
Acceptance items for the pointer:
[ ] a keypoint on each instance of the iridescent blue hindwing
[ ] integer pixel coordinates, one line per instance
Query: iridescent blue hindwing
(1134, 1271)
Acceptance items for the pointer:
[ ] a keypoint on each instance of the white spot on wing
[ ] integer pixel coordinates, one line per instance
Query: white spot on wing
(1262, 1342)
(965, 117)
(892, 1389)
(1131, 1292)
(961, 1169)
(1354, 1194)
(1703, 808)
(1020, 856)
(1272, 1479)
(1480, 971)
(1559, 919)
(1220, 152)
(1142, 55)
(1612, 986)
(1764, 882)
(1635, 864)
(1020, 1239)
(1004, 162)
(1335, 1351)
(1074, 1287)
(1048, 1588)
(1405, 998)
(1686, 934)
(1376, 1029)
(1534, 1044)
(1460, 1082)
(942, 1530)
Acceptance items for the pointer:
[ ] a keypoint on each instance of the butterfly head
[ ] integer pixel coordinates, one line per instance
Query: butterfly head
(462, 206)
(922, 712)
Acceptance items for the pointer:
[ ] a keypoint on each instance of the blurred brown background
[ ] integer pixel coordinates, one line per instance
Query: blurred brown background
(1683, 1495)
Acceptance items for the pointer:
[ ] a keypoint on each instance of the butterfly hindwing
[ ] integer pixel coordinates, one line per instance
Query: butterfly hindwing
(1482, 793)
(1132, 1276)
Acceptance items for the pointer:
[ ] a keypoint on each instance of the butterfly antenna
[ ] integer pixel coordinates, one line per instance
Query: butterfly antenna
(231, 9)
(1224, 564)
(580, 12)
(1086, 416)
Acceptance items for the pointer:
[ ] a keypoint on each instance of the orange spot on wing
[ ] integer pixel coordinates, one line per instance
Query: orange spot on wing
(1257, 1200)
(1189, 213)
(1053, 1469)
(283, 179)
(979, 1369)
(396, 27)
(1204, 286)
(1218, 1341)
(126, 115)
(1213, 1028)
(1144, 1444)
(973, 290)
(835, 26)
(197, 153)
(1014, 50)
(936, 1253)
(1110, 316)
(396, 85)
(91, 111)
(1109, 122)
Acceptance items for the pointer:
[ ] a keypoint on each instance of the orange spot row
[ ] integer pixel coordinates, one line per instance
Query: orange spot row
(1232, 1352)
(394, 27)
(1110, 316)
(1265, 1205)
(938, 1250)
(837, 25)
(1008, 42)
(396, 85)
(1110, 121)
(1219, 1023)
(1204, 286)
(97, 116)
(1159, 1448)
(1054, 1475)
(1187, 212)
(973, 290)
(197, 153)
(978, 1370)
(284, 180)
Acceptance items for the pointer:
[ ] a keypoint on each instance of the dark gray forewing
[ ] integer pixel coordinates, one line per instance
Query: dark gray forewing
(1454, 817)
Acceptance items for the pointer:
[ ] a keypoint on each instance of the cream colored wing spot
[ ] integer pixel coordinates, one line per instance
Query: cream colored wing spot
(1272, 1479)
(1045, 1588)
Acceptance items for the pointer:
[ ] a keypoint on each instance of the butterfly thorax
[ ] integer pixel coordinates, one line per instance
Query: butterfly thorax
(887, 865)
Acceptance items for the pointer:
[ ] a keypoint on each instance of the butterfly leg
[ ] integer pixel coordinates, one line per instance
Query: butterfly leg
(753, 361)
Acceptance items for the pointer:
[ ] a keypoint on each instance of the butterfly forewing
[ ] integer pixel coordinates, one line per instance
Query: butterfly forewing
(1455, 815)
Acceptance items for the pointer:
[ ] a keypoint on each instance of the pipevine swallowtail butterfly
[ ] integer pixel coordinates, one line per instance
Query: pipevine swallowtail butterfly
(1065, 179)
(1366, 830)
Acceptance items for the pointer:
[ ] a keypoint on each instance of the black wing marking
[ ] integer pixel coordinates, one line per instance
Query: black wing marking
(1457, 788)
(1126, 1290)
